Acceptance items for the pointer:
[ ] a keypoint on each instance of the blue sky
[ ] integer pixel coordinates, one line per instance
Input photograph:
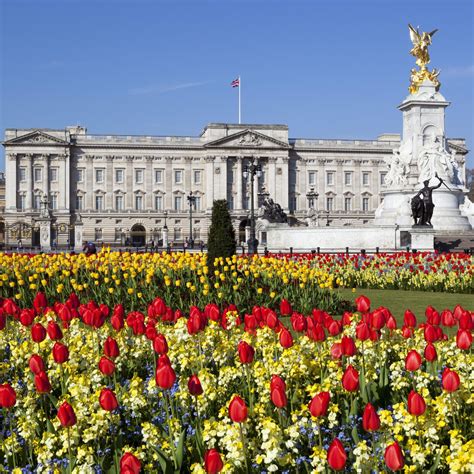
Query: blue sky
(328, 69)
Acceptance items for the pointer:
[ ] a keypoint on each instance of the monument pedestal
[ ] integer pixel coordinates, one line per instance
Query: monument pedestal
(422, 238)
(78, 232)
(45, 233)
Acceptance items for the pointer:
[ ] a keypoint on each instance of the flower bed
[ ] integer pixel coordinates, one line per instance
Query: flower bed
(86, 387)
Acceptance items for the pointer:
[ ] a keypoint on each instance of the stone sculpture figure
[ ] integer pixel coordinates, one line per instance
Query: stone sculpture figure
(399, 168)
(435, 159)
(272, 212)
(422, 204)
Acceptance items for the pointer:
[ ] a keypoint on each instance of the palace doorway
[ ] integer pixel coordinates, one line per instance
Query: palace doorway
(138, 235)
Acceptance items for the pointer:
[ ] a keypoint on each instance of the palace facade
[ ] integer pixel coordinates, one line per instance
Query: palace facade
(127, 188)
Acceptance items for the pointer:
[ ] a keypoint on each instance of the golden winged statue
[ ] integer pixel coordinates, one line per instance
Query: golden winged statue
(421, 41)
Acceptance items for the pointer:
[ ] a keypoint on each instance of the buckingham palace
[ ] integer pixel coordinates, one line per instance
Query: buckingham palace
(128, 188)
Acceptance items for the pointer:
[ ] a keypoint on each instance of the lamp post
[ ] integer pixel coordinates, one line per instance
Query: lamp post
(192, 203)
(252, 170)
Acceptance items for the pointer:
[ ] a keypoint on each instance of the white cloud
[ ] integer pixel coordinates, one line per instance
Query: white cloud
(161, 90)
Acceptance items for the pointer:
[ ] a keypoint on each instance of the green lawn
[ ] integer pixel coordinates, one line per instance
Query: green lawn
(397, 301)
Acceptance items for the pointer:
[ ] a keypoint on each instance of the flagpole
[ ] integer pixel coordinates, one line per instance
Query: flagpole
(240, 86)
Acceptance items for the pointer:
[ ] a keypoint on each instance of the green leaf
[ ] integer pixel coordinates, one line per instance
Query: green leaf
(355, 435)
(180, 449)
(167, 465)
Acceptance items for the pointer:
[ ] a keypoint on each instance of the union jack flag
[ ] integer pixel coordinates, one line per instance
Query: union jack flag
(235, 82)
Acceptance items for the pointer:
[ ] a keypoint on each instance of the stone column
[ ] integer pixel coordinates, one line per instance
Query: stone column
(130, 178)
(29, 183)
(11, 187)
(302, 184)
(339, 182)
(89, 183)
(256, 188)
(221, 177)
(46, 186)
(148, 204)
(109, 183)
(67, 181)
(209, 177)
(271, 177)
(238, 205)
(168, 197)
(357, 205)
(188, 178)
(283, 197)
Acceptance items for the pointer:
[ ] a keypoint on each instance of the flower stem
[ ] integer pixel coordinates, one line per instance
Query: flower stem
(244, 444)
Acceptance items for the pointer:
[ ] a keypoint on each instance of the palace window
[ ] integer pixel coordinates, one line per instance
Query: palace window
(365, 204)
(329, 201)
(53, 201)
(158, 176)
(99, 203)
(177, 233)
(138, 202)
(382, 178)
(119, 174)
(37, 201)
(365, 178)
(21, 202)
(22, 174)
(330, 178)
(38, 175)
(119, 203)
(53, 174)
(158, 203)
(197, 177)
(347, 204)
(197, 203)
(312, 178)
(80, 175)
(178, 200)
(348, 178)
(139, 176)
(79, 202)
(99, 175)
(97, 234)
(118, 234)
(178, 176)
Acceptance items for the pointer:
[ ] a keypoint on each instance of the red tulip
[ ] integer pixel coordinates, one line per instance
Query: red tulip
(416, 404)
(54, 331)
(60, 353)
(348, 346)
(237, 410)
(130, 464)
(111, 348)
(286, 339)
(450, 380)
(363, 304)
(409, 319)
(319, 404)
(38, 333)
(298, 322)
(27, 317)
(447, 318)
(391, 323)
(213, 462)
(194, 386)
(285, 308)
(394, 457)
(272, 320)
(278, 391)
(106, 366)
(430, 333)
(430, 352)
(42, 383)
(350, 379)
(337, 456)
(66, 415)
(3, 321)
(160, 345)
(165, 376)
(336, 351)
(40, 302)
(412, 361)
(246, 352)
(378, 318)
(10, 307)
(370, 419)
(7, 396)
(108, 400)
(463, 339)
(362, 331)
(36, 364)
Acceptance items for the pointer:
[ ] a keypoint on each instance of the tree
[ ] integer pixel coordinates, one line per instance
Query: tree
(221, 240)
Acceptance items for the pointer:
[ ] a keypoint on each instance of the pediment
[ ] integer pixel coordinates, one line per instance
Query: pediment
(36, 137)
(247, 139)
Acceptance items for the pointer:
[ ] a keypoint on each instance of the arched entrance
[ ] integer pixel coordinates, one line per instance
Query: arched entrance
(138, 235)
(243, 224)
